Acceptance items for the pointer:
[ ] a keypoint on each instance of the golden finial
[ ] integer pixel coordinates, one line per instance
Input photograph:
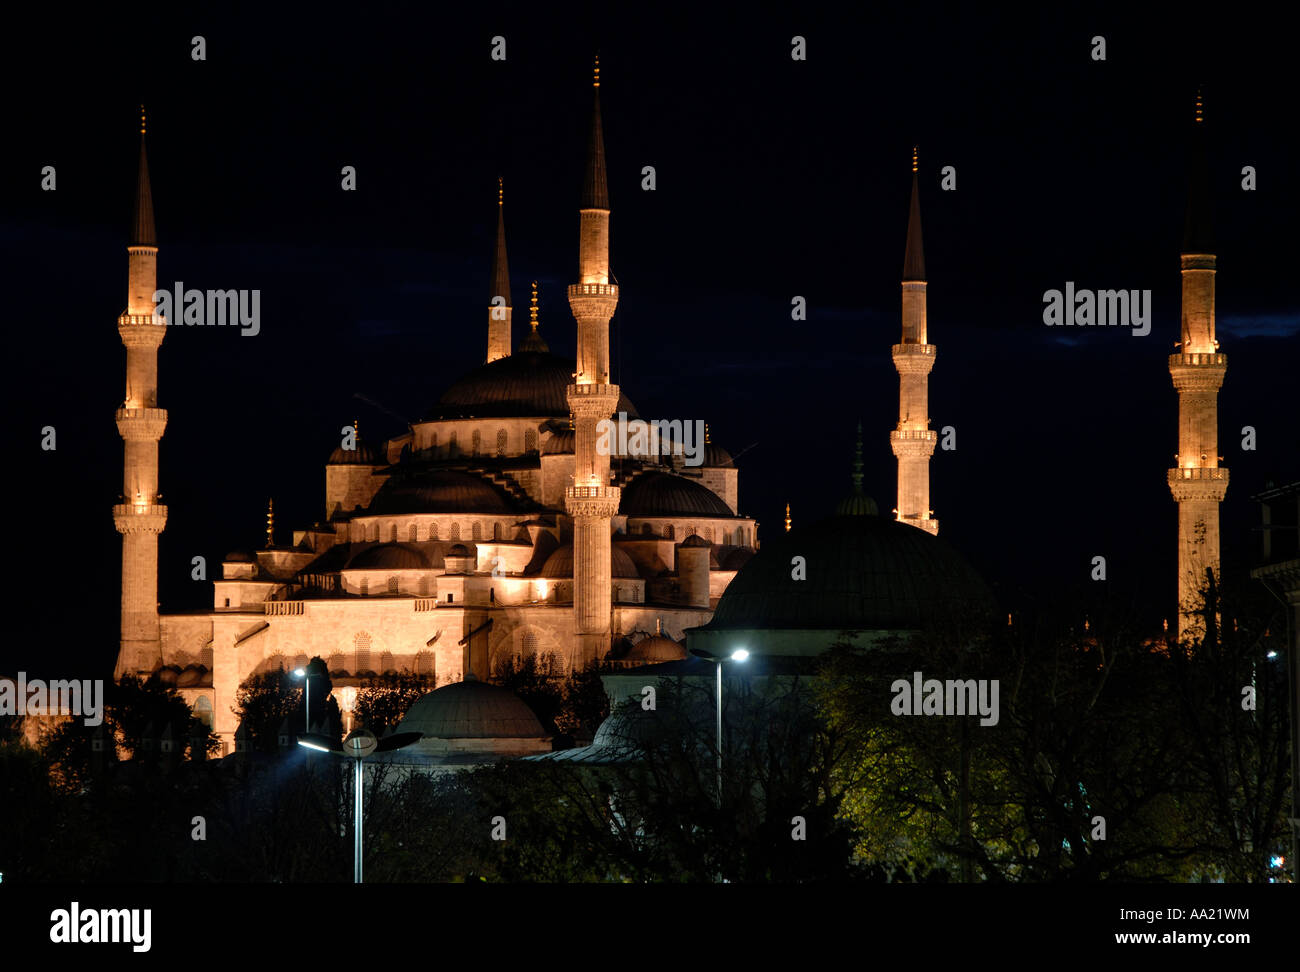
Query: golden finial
(706, 434)
(914, 155)
(270, 524)
(356, 430)
(142, 119)
(501, 191)
(1200, 105)
(787, 517)
(532, 310)
(1008, 619)
(1086, 625)
(596, 77)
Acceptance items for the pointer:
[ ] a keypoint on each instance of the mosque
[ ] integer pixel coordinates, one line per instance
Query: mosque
(499, 527)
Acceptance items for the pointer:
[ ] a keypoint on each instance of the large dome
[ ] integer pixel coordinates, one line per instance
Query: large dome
(526, 383)
(391, 556)
(664, 494)
(472, 710)
(863, 573)
(438, 491)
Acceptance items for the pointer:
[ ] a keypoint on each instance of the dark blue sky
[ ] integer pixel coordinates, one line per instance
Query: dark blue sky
(775, 178)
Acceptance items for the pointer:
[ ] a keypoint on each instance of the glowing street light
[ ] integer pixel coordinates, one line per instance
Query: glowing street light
(739, 655)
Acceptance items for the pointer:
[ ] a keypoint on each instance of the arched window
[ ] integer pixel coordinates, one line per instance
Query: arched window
(361, 649)
(433, 531)
(477, 533)
(413, 533)
(708, 534)
(365, 586)
(455, 531)
(477, 441)
(646, 529)
(451, 444)
(392, 584)
(424, 663)
(501, 442)
(374, 533)
(530, 644)
(672, 533)
(496, 531)
(392, 533)
(530, 440)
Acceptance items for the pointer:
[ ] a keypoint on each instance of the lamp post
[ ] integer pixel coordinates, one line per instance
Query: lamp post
(358, 744)
(303, 674)
(740, 654)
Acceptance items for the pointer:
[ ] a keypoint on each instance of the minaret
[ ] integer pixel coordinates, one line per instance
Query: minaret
(499, 318)
(913, 442)
(591, 501)
(140, 517)
(1198, 483)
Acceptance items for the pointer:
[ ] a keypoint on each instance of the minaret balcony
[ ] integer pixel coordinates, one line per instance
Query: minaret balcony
(595, 399)
(1200, 360)
(140, 330)
(1201, 373)
(593, 290)
(600, 501)
(913, 442)
(139, 517)
(913, 359)
(141, 424)
(1198, 483)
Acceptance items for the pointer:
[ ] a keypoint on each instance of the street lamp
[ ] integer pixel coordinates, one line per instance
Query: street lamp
(740, 654)
(306, 693)
(358, 744)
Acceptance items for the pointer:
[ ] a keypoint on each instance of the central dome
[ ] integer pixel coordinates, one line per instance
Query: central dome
(526, 383)
(862, 573)
(438, 491)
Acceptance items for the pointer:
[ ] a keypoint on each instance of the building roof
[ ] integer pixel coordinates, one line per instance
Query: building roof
(1198, 229)
(472, 710)
(652, 650)
(666, 494)
(523, 384)
(862, 573)
(914, 257)
(143, 232)
(362, 455)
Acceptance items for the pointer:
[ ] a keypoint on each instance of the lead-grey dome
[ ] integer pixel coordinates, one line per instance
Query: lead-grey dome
(526, 383)
(863, 573)
(664, 494)
(392, 556)
(472, 710)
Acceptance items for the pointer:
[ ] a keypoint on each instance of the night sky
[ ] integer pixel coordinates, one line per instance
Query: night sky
(776, 178)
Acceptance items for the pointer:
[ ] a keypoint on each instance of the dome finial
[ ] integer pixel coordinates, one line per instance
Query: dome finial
(787, 517)
(142, 119)
(534, 342)
(857, 503)
(857, 463)
(915, 151)
(270, 524)
(532, 310)
(1200, 106)
(595, 82)
(501, 191)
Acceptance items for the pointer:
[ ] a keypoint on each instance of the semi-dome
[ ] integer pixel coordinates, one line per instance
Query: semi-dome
(521, 384)
(472, 710)
(560, 563)
(715, 455)
(665, 494)
(438, 491)
(862, 573)
(559, 444)
(391, 556)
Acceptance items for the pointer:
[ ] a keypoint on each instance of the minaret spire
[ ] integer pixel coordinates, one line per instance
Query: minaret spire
(500, 316)
(1198, 483)
(591, 501)
(912, 441)
(140, 422)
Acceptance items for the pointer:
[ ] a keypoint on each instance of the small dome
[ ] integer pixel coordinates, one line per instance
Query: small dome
(653, 650)
(715, 455)
(560, 563)
(559, 444)
(391, 556)
(665, 494)
(459, 550)
(472, 710)
(695, 540)
(857, 503)
(362, 455)
(240, 557)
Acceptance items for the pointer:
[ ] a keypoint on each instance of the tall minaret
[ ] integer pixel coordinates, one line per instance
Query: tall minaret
(591, 501)
(499, 319)
(140, 517)
(913, 442)
(1198, 483)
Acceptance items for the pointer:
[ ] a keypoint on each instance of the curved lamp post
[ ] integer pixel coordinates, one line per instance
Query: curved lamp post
(357, 745)
(739, 655)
